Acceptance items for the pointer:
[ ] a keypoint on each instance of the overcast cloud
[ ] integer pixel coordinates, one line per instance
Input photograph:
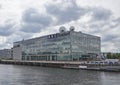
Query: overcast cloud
(33, 18)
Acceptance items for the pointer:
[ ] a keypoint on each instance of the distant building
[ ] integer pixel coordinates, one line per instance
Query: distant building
(65, 45)
(6, 54)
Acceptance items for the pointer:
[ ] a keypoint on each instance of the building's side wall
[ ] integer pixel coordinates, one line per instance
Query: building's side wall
(2, 54)
(17, 53)
(84, 45)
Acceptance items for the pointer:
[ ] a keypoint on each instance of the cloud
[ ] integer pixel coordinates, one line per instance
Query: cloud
(33, 21)
(31, 28)
(18, 36)
(109, 38)
(116, 23)
(117, 20)
(6, 29)
(99, 13)
(66, 11)
(0, 6)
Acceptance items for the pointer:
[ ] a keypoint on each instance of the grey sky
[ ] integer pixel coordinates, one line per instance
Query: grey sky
(33, 18)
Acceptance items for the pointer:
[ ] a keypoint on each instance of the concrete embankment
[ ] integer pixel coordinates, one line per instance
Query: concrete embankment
(64, 64)
(41, 63)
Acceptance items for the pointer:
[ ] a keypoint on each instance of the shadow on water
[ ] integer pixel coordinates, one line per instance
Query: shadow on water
(32, 75)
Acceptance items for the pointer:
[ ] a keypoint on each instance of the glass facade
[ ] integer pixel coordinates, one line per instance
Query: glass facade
(84, 46)
(68, 46)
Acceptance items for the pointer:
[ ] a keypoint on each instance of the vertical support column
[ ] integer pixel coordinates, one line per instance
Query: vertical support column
(30, 58)
(50, 57)
(71, 47)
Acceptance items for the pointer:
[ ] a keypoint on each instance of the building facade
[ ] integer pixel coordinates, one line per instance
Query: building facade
(65, 45)
(6, 54)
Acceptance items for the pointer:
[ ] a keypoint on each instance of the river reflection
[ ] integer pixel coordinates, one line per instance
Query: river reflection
(32, 75)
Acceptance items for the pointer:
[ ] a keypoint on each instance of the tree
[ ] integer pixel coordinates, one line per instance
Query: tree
(113, 56)
(109, 56)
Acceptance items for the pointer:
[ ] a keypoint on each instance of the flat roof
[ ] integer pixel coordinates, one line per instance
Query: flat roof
(53, 34)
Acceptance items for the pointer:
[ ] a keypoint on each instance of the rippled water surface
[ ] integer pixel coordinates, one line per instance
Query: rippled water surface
(33, 75)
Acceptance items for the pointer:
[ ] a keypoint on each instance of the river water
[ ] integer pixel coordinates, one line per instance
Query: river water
(33, 75)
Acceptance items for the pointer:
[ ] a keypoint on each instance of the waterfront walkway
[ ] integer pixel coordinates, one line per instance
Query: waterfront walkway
(65, 64)
(53, 62)
(56, 62)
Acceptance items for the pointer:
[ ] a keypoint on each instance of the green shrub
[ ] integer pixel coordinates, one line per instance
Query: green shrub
(113, 56)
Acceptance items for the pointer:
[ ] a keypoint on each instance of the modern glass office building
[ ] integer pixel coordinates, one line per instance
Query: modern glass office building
(65, 45)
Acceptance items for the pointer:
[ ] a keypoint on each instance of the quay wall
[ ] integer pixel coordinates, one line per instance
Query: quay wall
(58, 64)
(33, 63)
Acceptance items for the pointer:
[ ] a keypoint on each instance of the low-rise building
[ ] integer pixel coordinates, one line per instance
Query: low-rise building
(6, 54)
(65, 45)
